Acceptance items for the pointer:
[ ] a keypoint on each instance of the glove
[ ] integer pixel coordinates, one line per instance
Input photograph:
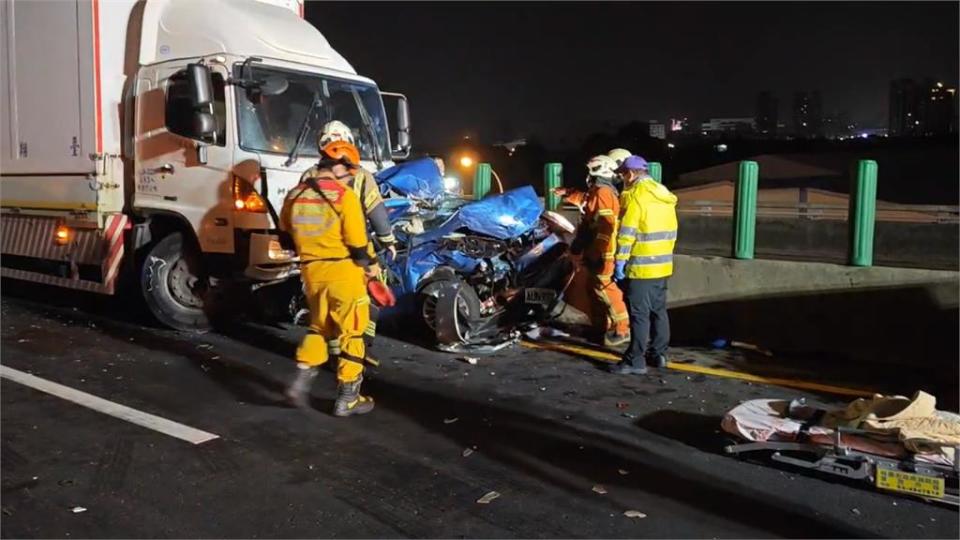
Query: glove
(620, 271)
(372, 271)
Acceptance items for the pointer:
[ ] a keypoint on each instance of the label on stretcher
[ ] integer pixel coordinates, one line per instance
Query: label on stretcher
(904, 482)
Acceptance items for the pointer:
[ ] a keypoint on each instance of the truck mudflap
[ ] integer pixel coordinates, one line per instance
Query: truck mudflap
(86, 258)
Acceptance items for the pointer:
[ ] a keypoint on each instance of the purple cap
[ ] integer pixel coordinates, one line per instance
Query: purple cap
(635, 163)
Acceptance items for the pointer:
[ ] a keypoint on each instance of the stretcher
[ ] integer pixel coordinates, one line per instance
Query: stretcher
(788, 432)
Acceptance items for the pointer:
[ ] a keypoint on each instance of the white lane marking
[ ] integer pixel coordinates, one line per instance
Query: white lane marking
(140, 418)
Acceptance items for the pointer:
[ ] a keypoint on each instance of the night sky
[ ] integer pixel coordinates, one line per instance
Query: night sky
(561, 70)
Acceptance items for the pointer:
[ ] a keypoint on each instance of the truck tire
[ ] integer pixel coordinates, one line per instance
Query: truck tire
(174, 285)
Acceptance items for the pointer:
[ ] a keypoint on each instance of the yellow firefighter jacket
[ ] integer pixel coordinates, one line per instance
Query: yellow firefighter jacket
(648, 230)
(365, 186)
(328, 225)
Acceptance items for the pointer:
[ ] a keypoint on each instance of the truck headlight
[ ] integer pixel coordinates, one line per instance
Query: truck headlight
(245, 198)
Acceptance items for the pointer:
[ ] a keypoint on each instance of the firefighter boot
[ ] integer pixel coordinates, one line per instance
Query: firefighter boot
(298, 393)
(349, 401)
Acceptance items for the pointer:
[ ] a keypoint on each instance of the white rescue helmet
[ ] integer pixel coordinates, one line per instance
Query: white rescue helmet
(335, 130)
(619, 154)
(601, 167)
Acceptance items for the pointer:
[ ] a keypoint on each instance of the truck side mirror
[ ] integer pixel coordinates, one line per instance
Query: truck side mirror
(201, 96)
(397, 103)
(201, 85)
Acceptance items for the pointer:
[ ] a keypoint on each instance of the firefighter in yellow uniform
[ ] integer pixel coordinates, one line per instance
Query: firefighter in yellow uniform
(645, 242)
(363, 183)
(326, 220)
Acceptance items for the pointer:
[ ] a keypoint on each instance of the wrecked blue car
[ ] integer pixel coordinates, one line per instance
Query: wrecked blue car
(472, 273)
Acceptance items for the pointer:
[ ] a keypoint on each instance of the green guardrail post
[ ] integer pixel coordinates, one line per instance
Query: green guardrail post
(745, 210)
(481, 180)
(862, 214)
(552, 178)
(656, 171)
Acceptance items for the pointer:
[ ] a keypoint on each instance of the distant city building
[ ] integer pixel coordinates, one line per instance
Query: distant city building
(807, 114)
(937, 108)
(658, 130)
(904, 120)
(679, 124)
(728, 125)
(924, 108)
(767, 113)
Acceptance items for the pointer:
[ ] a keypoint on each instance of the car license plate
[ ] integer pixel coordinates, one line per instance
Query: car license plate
(904, 482)
(542, 297)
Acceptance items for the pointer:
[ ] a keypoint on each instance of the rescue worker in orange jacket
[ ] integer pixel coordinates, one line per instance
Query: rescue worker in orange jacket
(326, 220)
(595, 239)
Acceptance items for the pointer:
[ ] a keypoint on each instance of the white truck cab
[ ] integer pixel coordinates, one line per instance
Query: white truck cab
(186, 153)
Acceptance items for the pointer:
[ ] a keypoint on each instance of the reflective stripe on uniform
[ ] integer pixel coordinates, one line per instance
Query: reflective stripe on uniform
(628, 231)
(605, 212)
(656, 236)
(653, 259)
(624, 249)
(605, 237)
(314, 220)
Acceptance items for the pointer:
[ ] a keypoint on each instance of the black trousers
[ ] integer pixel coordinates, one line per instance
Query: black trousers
(649, 325)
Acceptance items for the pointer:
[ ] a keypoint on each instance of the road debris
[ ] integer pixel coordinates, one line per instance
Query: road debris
(78, 509)
(634, 514)
(599, 489)
(622, 405)
(623, 472)
(450, 420)
(467, 452)
(750, 347)
(472, 360)
(628, 415)
(541, 332)
(488, 497)
(856, 511)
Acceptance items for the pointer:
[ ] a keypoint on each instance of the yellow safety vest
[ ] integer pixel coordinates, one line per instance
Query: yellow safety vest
(648, 230)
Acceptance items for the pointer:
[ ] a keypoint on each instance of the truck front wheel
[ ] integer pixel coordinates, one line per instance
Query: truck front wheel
(174, 284)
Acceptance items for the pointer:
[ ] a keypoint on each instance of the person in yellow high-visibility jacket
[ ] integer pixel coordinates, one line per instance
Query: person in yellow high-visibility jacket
(592, 289)
(326, 220)
(647, 235)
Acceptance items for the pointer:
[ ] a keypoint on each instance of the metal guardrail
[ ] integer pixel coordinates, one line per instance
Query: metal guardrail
(906, 213)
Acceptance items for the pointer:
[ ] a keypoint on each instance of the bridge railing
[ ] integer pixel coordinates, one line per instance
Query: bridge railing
(905, 213)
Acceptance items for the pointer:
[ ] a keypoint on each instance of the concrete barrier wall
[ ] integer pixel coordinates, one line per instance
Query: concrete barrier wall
(701, 280)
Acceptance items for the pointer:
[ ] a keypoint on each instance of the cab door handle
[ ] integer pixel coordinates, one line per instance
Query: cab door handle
(166, 168)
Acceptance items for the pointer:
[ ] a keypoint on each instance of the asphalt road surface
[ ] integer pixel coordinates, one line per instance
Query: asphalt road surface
(568, 447)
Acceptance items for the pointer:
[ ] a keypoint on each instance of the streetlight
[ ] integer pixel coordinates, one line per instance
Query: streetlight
(466, 161)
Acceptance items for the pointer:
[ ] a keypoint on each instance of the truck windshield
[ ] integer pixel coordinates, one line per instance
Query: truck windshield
(271, 123)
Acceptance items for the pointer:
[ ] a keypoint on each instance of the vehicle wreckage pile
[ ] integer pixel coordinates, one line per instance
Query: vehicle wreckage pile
(473, 274)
